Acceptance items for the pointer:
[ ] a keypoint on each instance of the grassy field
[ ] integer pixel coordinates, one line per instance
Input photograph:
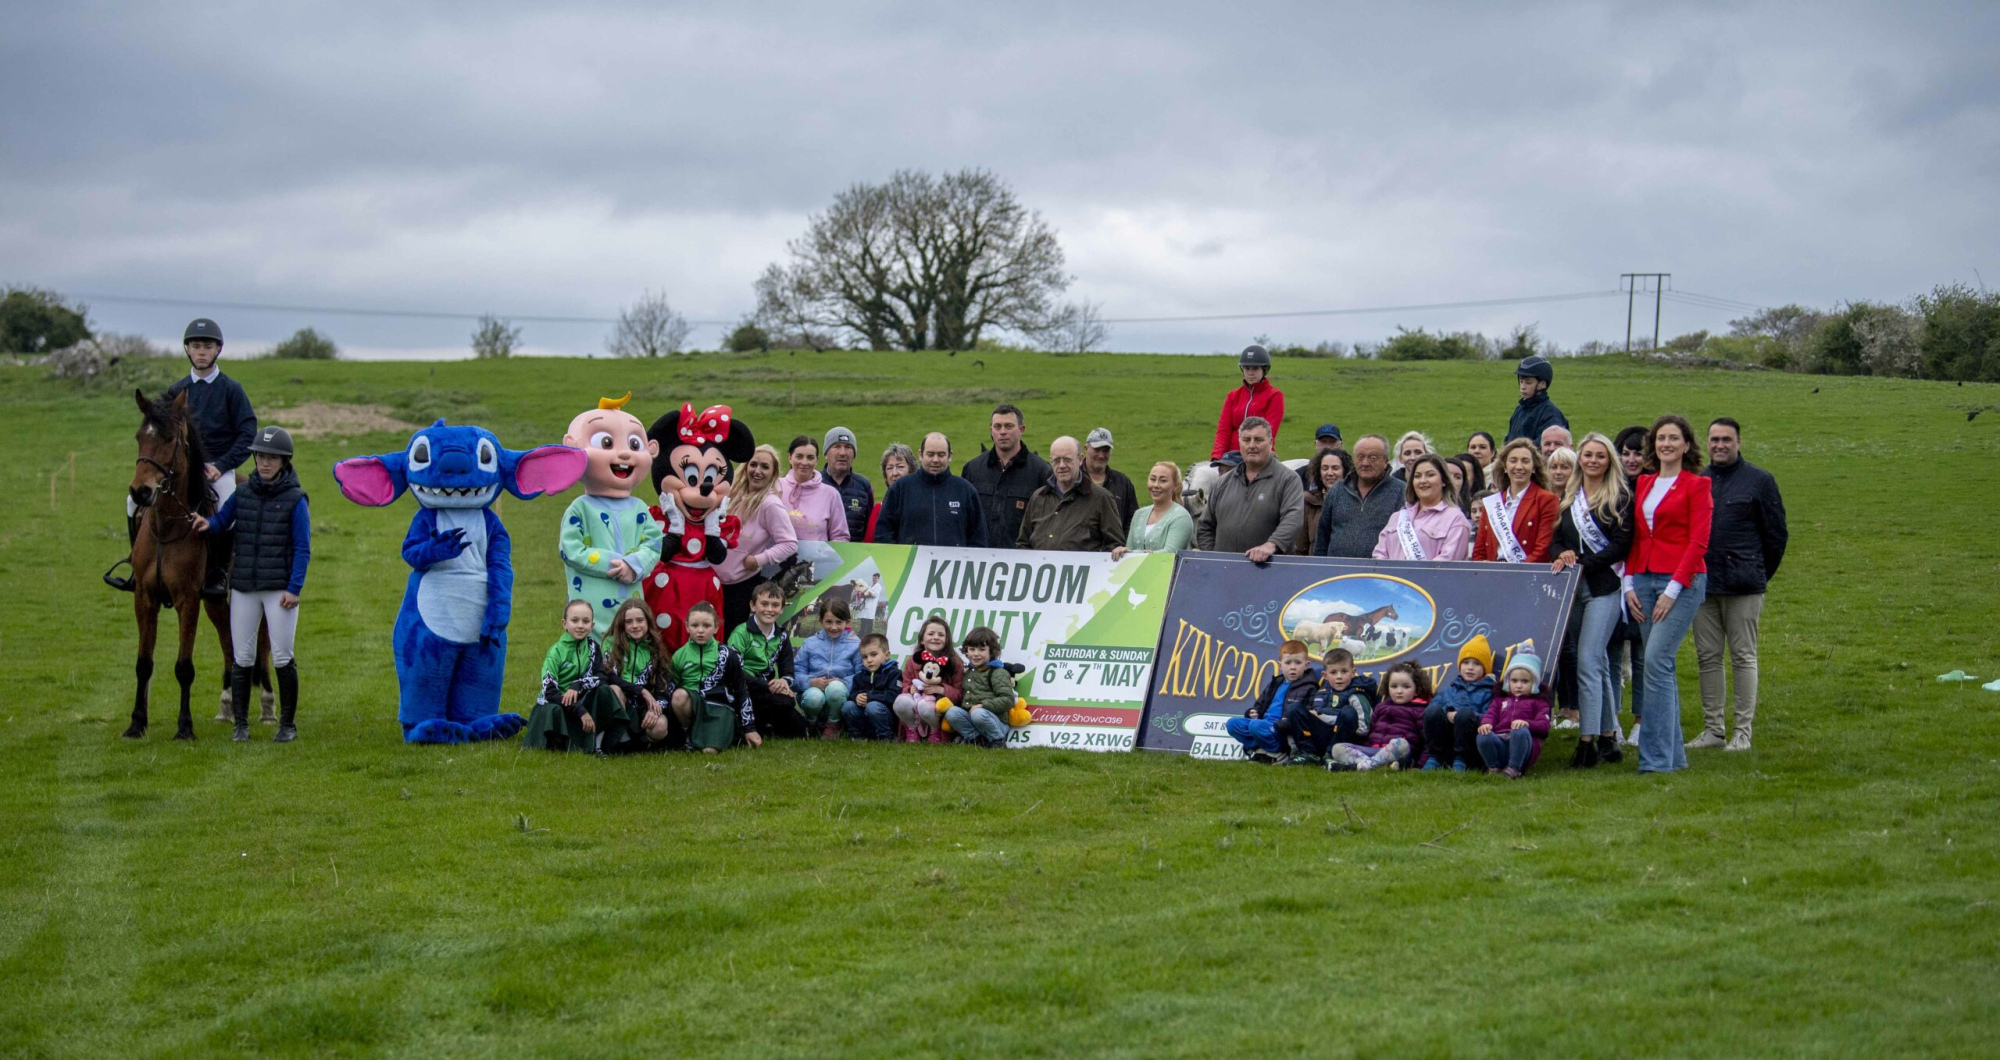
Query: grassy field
(1830, 893)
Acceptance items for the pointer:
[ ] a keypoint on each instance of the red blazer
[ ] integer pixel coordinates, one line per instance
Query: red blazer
(1242, 403)
(1534, 526)
(1677, 542)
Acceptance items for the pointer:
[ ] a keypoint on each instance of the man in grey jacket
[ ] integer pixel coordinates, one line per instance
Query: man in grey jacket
(1356, 510)
(1258, 507)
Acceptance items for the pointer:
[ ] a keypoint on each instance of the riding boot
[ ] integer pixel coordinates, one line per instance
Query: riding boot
(288, 703)
(215, 577)
(239, 702)
(124, 584)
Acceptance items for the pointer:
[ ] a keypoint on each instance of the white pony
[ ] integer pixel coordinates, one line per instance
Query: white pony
(1202, 476)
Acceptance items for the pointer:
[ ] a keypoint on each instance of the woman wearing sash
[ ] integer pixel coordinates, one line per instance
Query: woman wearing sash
(1594, 532)
(1666, 577)
(1518, 519)
(1430, 526)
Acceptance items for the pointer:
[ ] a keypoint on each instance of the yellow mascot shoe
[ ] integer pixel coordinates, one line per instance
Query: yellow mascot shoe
(1020, 716)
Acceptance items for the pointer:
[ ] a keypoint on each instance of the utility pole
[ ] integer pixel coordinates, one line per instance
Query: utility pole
(1634, 282)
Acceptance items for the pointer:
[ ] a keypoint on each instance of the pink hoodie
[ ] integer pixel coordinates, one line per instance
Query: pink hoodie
(768, 535)
(815, 509)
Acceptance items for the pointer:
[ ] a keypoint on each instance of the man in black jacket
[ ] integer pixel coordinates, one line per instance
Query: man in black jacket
(227, 424)
(1006, 476)
(1746, 543)
(932, 506)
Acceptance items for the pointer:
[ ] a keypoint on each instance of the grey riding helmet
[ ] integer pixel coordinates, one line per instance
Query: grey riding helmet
(1254, 357)
(273, 440)
(1536, 366)
(202, 328)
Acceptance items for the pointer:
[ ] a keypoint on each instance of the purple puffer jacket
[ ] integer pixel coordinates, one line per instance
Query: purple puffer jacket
(1394, 720)
(1505, 710)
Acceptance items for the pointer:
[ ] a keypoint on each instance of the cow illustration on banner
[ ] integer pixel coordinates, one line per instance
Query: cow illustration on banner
(1226, 616)
(1083, 625)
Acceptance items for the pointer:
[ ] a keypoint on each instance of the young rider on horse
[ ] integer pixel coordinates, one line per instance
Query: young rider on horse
(227, 424)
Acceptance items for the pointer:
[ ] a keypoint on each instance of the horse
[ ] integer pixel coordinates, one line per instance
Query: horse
(1362, 621)
(1202, 475)
(168, 557)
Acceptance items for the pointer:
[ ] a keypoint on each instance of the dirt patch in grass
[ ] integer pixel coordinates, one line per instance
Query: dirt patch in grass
(321, 419)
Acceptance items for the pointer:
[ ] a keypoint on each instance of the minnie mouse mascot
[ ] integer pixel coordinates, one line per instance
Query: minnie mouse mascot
(693, 480)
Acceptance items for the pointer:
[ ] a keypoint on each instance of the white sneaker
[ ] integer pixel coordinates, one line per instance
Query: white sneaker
(1632, 738)
(1364, 765)
(1566, 724)
(1704, 741)
(1738, 742)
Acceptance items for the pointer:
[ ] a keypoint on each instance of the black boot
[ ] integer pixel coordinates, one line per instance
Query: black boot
(288, 703)
(215, 577)
(123, 583)
(239, 702)
(1608, 749)
(1586, 754)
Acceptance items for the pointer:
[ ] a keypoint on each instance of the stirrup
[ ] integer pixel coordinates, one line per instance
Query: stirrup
(123, 585)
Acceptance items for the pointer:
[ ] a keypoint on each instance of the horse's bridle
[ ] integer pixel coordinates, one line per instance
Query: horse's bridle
(166, 488)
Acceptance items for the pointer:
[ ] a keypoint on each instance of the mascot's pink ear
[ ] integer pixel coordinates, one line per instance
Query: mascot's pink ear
(548, 469)
(368, 480)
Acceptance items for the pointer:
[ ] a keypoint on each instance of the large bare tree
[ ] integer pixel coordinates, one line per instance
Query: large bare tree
(649, 328)
(919, 263)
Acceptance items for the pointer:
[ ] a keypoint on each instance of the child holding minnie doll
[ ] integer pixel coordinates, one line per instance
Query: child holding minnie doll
(932, 674)
(1512, 731)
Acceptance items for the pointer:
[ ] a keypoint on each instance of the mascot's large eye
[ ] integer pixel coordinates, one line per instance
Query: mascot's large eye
(601, 440)
(635, 442)
(708, 477)
(420, 454)
(489, 458)
(691, 475)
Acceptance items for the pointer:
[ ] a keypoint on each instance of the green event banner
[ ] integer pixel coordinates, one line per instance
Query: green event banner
(1085, 626)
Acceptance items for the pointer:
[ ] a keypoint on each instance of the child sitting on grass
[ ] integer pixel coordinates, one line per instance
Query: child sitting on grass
(1289, 690)
(871, 714)
(765, 653)
(713, 700)
(1339, 713)
(1397, 725)
(981, 717)
(824, 668)
(1451, 723)
(639, 675)
(576, 712)
(933, 673)
(1511, 733)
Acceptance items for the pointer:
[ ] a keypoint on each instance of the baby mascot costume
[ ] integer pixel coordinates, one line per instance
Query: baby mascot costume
(693, 481)
(451, 635)
(609, 538)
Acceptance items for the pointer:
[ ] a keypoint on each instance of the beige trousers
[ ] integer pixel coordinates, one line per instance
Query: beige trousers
(1730, 619)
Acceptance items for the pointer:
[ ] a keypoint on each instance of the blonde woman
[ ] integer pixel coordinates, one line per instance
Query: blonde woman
(1409, 447)
(1163, 526)
(768, 538)
(1594, 533)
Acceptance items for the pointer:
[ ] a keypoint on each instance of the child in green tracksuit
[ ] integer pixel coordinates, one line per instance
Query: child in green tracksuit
(577, 711)
(713, 700)
(980, 717)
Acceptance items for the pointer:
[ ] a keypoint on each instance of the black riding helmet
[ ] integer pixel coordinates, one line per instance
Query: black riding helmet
(273, 440)
(1536, 366)
(1254, 356)
(201, 328)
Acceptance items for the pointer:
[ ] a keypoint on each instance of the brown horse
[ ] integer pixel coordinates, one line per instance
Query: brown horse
(168, 557)
(1359, 624)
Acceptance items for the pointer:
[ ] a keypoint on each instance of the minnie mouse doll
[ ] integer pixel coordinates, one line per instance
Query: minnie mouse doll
(692, 478)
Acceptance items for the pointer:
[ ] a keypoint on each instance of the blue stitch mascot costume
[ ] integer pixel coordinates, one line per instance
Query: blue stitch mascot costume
(451, 635)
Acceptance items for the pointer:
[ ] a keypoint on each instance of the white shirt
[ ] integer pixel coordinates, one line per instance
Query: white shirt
(197, 377)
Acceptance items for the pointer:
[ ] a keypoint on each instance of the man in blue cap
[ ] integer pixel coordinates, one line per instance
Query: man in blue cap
(1325, 439)
(227, 424)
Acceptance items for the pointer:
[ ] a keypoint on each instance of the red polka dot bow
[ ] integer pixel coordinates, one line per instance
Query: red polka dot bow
(709, 428)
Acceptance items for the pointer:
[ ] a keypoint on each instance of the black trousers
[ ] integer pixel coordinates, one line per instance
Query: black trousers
(1449, 738)
(777, 716)
(1308, 733)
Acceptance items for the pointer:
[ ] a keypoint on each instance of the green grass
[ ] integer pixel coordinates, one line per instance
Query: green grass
(1830, 893)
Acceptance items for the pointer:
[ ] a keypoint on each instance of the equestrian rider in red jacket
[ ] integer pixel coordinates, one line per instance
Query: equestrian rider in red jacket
(1256, 397)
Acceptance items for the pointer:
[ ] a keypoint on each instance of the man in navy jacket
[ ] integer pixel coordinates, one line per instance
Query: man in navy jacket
(932, 506)
(1746, 543)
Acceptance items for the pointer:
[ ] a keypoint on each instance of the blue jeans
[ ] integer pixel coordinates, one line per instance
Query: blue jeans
(876, 721)
(1596, 675)
(822, 705)
(1660, 749)
(1255, 734)
(1507, 750)
(977, 722)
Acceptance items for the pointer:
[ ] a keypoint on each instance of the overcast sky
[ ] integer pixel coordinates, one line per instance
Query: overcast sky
(1195, 159)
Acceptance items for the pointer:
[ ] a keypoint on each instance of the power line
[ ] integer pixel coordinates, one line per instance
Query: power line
(421, 314)
(1362, 309)
(1718, 298)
